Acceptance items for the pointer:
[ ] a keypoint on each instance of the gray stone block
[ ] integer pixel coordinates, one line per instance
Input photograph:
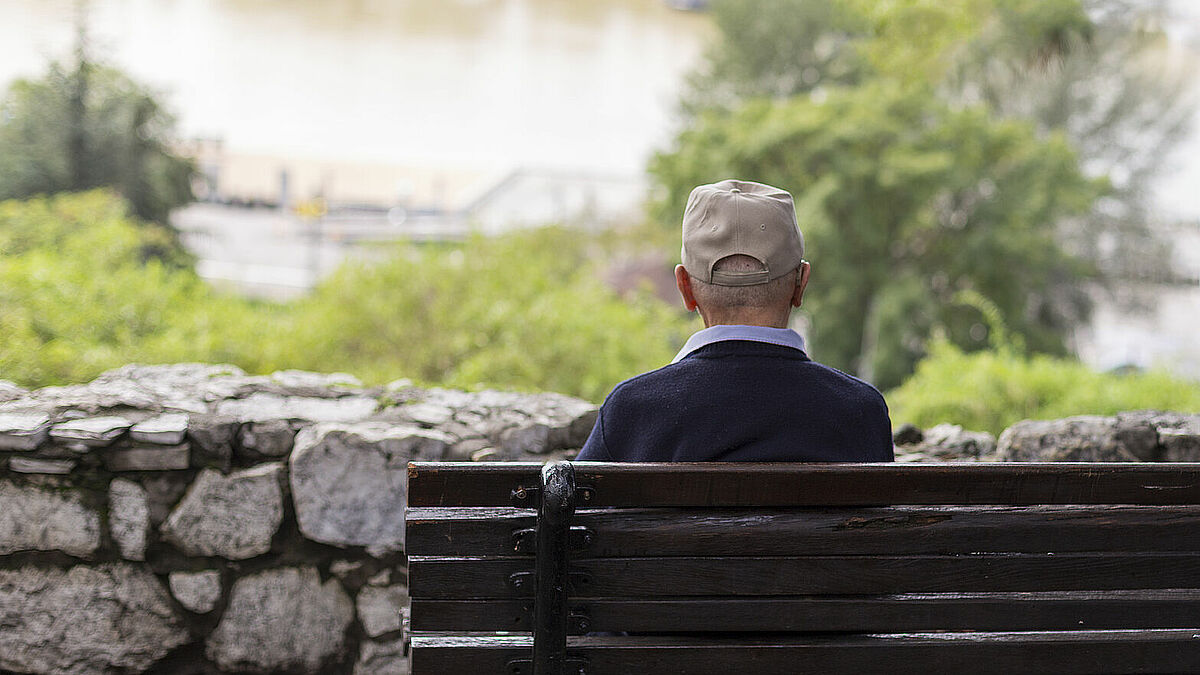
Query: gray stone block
(269, 439)
(426, 414)
(463, 450)
(1086, 438)
(232, 516)
(1178, 434)
(128, 517)
(164, 489)
(382, 657)
(950, 442)
(148, 458)
(39, 465)
(212, 438)
(197, 591)
(90, 432)
(308, 383)
(114, 618)
(261, 407)
(35, 519)
(9, 391)
(379, 608)
(349, 482)
(169, 429)
(23, 431)
(535, 438)
(282, 620)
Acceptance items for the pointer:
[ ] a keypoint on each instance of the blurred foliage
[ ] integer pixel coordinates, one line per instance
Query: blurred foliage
(991, 389)
(88, 125)
(78, 296)
(1120, 101)
(524, 310)
(905, 201)
(789, 47)
(777, 50)
(919, 41)
(935, 147)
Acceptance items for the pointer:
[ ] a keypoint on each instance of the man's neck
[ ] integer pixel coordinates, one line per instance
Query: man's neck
(777, 322)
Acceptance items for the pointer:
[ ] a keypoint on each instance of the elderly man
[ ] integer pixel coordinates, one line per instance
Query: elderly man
(742, 389)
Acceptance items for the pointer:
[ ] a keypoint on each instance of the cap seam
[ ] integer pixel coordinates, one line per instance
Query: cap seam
(703, 224)
(737, 222)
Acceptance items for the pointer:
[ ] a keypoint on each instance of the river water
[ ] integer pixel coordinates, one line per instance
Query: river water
(479, 84)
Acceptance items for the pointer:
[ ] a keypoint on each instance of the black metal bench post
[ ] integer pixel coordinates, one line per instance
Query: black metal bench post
(550, 611)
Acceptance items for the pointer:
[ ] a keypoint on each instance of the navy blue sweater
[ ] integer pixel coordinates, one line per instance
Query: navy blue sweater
(742, 401)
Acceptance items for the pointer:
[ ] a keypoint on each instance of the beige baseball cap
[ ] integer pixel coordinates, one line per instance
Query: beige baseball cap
(735, 217)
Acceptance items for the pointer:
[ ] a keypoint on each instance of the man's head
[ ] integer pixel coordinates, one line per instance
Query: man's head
(742, 254)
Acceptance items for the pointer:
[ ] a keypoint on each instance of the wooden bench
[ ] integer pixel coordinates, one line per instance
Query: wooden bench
(794, 568)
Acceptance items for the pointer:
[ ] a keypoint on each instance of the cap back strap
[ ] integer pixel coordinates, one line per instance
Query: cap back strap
(740, 278)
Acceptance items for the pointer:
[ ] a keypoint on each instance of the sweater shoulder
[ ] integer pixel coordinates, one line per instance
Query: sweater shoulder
(849, 381)
(647, 382)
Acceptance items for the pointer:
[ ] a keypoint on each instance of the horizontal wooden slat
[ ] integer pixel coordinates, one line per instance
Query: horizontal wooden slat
(1053, 610)
(1060, 653)
(484, 531)
(449, 578)
(789, 484)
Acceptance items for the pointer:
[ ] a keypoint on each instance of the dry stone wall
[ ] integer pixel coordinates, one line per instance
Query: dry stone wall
(1140, 436)
(191, 519)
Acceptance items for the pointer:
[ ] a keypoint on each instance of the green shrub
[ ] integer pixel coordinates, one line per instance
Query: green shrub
(78, 295)
(522, 310)
(989, 390)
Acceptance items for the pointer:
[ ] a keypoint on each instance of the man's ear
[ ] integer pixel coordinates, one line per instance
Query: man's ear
(683, 281)
(801, 282)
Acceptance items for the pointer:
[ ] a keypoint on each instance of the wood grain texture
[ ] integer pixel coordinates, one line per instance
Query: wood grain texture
(449, 578)
(790, 484)
(457, 531)
(1055, 568)
(1055, 610)
(1060, 653)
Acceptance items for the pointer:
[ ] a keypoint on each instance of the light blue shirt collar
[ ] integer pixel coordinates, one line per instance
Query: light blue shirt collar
(785, 337)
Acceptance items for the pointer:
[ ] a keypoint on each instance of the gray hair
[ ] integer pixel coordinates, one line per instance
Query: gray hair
(730, 299)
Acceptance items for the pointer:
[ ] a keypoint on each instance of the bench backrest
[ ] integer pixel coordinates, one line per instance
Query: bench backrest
(1051, 568)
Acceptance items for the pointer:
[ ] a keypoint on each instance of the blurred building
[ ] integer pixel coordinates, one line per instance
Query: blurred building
(273, 226)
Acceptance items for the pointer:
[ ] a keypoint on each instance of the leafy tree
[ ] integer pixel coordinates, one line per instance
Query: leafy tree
(86, 126)
(1095, 70)
(778, 50)
(910, 73)
(905, 201)
(1118, 100)
(920, 41)
(788, 47)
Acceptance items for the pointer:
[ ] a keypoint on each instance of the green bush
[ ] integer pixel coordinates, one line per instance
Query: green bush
(989, 390)
(79, 296)
(522, 310)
